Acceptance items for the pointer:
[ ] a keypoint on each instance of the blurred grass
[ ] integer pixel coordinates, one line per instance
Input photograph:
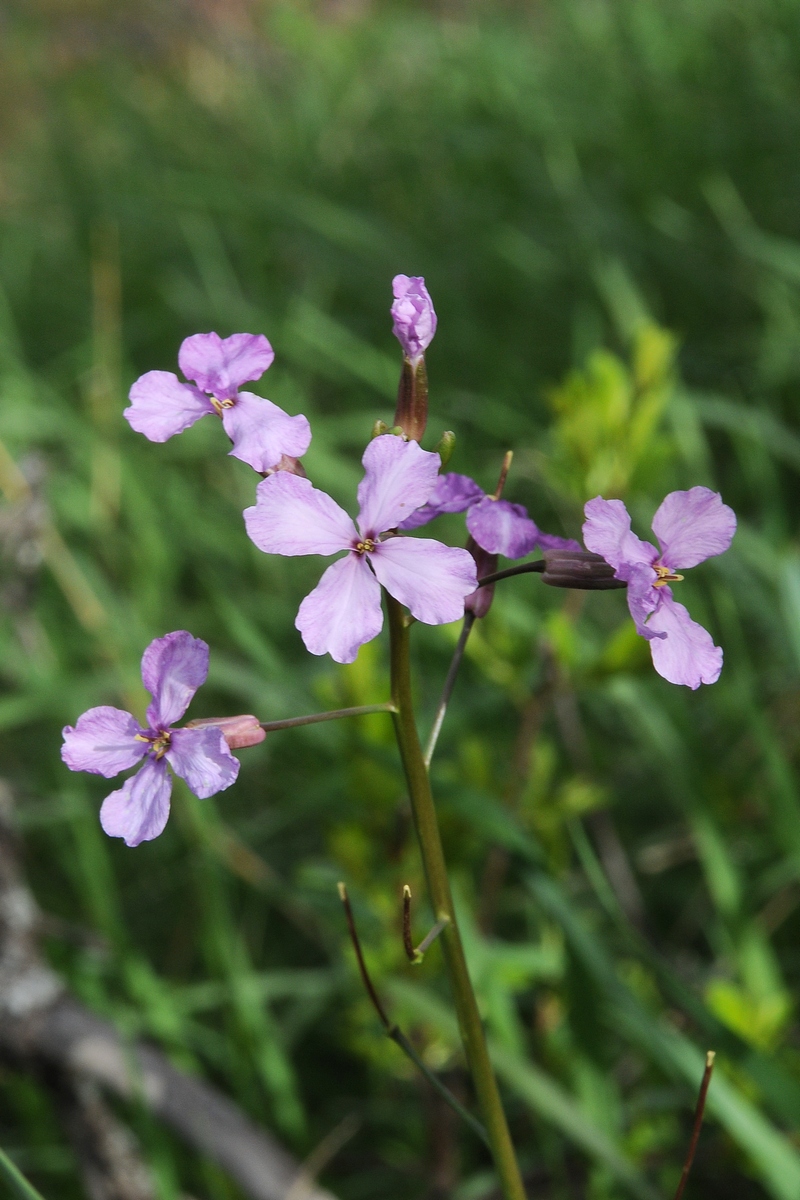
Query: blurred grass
(602, 196)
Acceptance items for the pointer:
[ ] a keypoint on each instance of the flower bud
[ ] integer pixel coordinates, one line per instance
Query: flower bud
(579, 569)
(238, 731)
(445, 447)
(480, 601)
(414, 321)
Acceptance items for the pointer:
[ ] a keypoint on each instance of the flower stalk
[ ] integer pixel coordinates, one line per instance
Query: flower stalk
(362, 710)
(427, 827)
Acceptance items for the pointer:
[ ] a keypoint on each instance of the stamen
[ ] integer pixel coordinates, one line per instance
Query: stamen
(665, 575)
(220, 404)
(366, 546)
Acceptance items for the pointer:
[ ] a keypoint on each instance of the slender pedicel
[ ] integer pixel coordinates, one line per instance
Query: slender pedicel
(395, 1033)
(578, 569)
(416, 954)
(362, 710)
(449, 684)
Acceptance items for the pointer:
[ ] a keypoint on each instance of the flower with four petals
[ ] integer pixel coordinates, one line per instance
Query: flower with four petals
(108, 740)
(691, 527)
(261, 432)
(344, 611)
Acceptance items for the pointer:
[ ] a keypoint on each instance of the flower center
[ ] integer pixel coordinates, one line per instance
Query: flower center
(365, 546)
(220, 404)
(159, 742)
(665, 575)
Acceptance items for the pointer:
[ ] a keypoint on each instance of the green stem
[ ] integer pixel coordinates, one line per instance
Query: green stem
(363, 710)
(430, 842)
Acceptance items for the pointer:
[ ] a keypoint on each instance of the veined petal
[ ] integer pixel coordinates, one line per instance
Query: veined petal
(103, 742)
(173, 668)
(221, 365)
(343, 611)
(500, 527)
(452, 493)
(431, 579)
(687, 654)
(138, 811)
(693, 526)
(291, 516)
(643, 599)
(607, 531)
(400, 477)
(203, 759)
(162, 406)
(262, 432)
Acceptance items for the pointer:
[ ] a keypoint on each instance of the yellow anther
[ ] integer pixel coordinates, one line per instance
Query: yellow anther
(220, 404)
(665, 575)
(366, 546)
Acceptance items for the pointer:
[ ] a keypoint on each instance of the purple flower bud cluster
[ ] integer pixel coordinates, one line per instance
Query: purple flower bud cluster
(401, 491)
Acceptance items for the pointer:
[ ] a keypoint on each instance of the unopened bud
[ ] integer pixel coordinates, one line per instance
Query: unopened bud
(445, 447)
(579, 569)
(411, 414)
(238, 731)
(287, 463)
(480, 601)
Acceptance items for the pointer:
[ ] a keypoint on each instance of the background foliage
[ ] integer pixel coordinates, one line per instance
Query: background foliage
(603, 198)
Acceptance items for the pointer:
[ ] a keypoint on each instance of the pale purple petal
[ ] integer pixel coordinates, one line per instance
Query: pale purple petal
(414, 321)
(687, 654)
(431, 579)
(220, 366)
(643, 598)
(138, 811)
(607, 531)
(262, 433)
(103, 742)
(162, 406)
(693, 526)
(343, 612)
(399, 477)
(173, 668)
(453, 493)
(551, 541)
(291, 517)
(203, 759)
(500, 527)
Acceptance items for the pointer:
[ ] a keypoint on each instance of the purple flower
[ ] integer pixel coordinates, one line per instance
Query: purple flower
(498, 526)
(344, 610)
(262, 433)
(691, 527)
(107, 740)
(414, 321)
